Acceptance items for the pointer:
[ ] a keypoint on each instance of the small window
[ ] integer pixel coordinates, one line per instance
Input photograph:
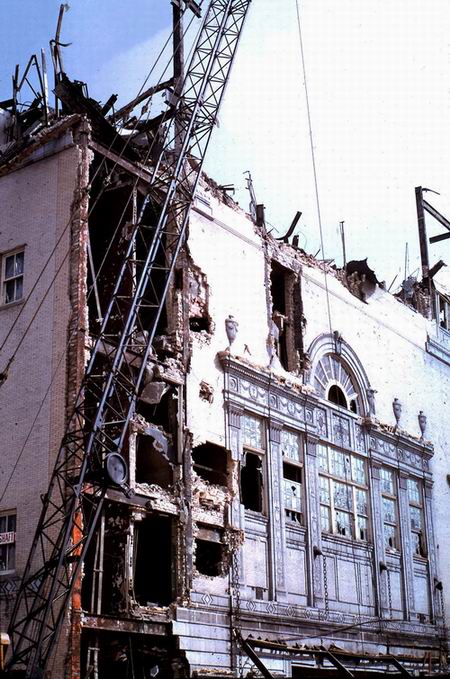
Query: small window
(7, 543)
(293, 492)
(442, 311)
(337, 396)
(416, 516)
(12, 277)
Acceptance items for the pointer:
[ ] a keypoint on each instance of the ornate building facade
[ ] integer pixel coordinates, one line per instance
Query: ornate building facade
(288, 458)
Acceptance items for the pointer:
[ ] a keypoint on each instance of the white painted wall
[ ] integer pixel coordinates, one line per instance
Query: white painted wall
(388, 337)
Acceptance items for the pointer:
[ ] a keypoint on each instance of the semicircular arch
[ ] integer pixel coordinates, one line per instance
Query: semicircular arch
(337, 373)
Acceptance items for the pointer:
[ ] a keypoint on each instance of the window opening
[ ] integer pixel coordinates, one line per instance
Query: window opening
(209, 557)
(7, 543)
(337, 396)
(152, 459)
(344, 503)
(291, 449)
(280, 279)
(153, 561)
(333, 381)
(389, 509)
(252, 482)
(164, 413)
(210, 463)
(414, 489)
(252, 472)
(442, 311)
(199, 324)
(12, 274)
(293, 492)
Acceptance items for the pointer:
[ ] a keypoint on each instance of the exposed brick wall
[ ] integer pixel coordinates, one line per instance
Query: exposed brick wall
(41, 203)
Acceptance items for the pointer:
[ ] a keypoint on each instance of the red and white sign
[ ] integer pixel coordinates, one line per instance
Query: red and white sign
(7, 538)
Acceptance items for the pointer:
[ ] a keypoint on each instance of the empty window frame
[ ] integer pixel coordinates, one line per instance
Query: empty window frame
(12, 270)
(209, 552)
(7, 543)
(389, 507)
(344, 500)
(292, 476)
(416, 517)
(282, 289)
(153, 561)
(443, 311)
(253, 468)
(210, 462)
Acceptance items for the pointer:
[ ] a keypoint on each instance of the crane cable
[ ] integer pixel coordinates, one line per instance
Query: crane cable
(314, 165)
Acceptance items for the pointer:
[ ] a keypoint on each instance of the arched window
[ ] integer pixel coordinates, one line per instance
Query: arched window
(336, 395)
(334, 382)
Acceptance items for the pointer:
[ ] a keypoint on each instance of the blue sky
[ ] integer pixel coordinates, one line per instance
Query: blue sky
(378, 76)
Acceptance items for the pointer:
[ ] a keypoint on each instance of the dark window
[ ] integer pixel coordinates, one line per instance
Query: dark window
(208, 557)
(152, 463)
(252, 483)
(210, 463)
(336, 395)
(153, 561)
(199, 324)
(280, 285)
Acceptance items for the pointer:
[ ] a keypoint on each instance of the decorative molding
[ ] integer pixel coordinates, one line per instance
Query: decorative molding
(234, 415)
(275, 431)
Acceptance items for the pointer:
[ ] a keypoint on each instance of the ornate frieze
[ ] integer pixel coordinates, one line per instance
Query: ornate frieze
(398, 447)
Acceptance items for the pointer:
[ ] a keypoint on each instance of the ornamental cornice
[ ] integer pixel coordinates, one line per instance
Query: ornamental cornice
(395, 438)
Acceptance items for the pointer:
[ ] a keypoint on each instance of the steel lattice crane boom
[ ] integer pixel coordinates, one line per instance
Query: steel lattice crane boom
(106, 401)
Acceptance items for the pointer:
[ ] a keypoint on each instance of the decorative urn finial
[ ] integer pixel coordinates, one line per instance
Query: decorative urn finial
(397, 408)
(231, 328)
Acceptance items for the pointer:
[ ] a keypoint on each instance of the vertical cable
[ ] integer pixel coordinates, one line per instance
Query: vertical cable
(313, 159)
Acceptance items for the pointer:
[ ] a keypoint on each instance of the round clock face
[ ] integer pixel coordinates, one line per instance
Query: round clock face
(334, 382)
(116, 469)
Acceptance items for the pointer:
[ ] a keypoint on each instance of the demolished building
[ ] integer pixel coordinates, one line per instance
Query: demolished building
(287, 489)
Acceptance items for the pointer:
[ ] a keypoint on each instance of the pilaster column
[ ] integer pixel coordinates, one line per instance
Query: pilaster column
(277, 537)
(433, 576)
(381, 595)
(312, 511)
(405, 538)
(233, 443)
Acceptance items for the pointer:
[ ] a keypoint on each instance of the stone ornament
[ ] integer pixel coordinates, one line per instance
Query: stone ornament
(422, 423)
(371, 399)
(397, 408)
(231, 328)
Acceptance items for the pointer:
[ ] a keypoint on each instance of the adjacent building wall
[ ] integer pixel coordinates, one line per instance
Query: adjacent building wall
(42, 202)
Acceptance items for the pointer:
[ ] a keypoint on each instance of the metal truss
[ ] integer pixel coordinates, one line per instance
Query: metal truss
(119, 361)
